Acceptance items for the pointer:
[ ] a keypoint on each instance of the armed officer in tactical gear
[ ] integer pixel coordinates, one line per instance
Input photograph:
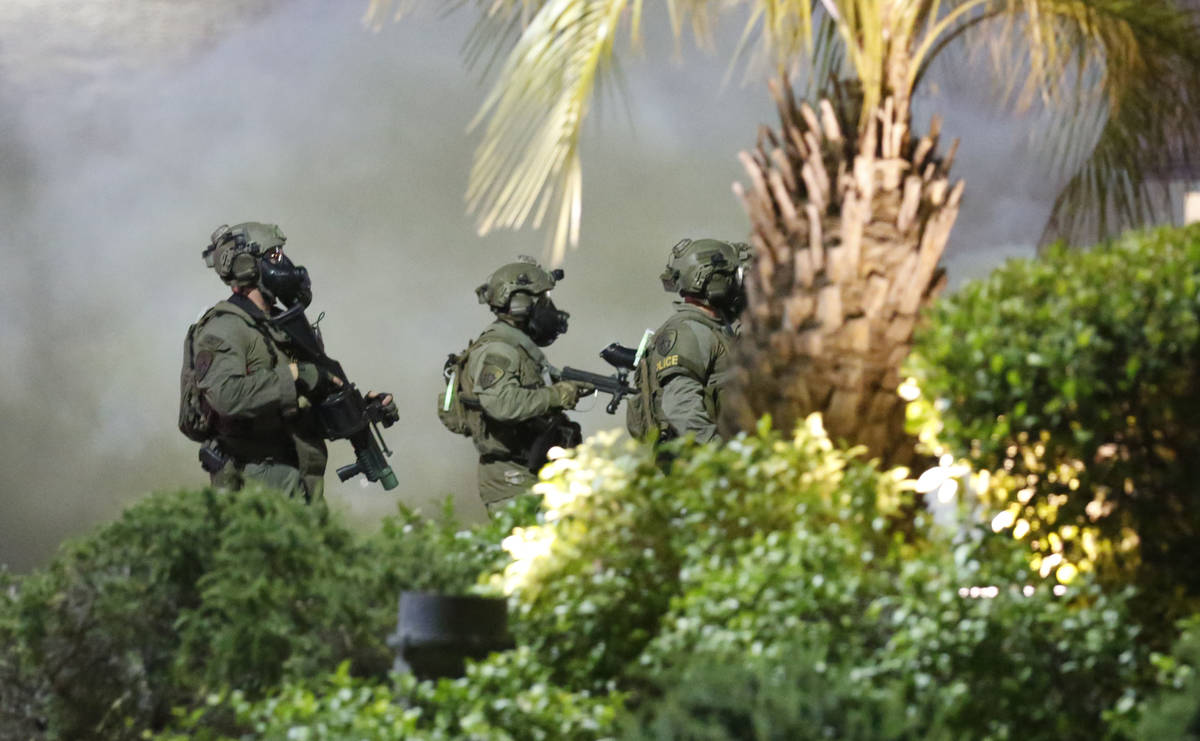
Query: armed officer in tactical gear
(687, 364)
(256, 398)
(515, 411)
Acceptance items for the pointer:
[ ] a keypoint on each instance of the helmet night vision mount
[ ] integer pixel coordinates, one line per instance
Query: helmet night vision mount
(522, 277)
(250, 255)
(518, 290)
(707, 269)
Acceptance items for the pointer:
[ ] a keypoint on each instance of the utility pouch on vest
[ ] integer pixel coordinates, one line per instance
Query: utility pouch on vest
(458, 410)
(640, 418)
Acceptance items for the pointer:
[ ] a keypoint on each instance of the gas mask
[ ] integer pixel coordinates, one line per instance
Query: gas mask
(738, 304)
(546, 322)
(730, 300)
(282, 280)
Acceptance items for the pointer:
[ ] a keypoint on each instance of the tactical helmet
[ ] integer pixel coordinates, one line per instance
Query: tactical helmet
(708, 269)
(514, 279)
(234, 251)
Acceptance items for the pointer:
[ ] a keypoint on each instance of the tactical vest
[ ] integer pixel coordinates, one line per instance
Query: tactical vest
(523, 441)
(196, 418)
(644, 414)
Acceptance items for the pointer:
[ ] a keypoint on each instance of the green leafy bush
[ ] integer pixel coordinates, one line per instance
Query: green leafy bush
(106, 608)
(793, 693)
(1075, 379)
(415, 552)
(770, 585)
(743, 550)
(592, 583)
(965, 635)
(18, 694)
(1174, 712)
(191, 592)
(508, 697)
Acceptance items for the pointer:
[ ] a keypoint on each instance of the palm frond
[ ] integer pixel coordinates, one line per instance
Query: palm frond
(1111, 191)
(881, 45)
(528, 160)
(1124, 180)
(700, 14)
(1117, 81)
(378, 10)
(787, 26)
(498, 24)
(1116, 84)
(1125, 78)
(814, 42)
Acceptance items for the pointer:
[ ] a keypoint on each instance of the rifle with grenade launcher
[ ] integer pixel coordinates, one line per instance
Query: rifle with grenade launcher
(345, 414)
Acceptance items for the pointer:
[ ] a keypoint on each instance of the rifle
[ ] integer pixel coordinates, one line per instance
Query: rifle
(344, 414)
(624, 359)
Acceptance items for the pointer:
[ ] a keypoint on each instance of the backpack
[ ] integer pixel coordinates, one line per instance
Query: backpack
(197, 420)
(458, 407)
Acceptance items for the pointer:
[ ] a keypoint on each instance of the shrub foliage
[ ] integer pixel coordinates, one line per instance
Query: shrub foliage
(765, 544)
(1174, 712)
(195, 591)
(772, 587)
(761, 589)
(1075, 380)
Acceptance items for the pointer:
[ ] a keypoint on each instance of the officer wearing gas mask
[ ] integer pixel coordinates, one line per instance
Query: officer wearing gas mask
(256, 399)
(518, 409)
(681, 376)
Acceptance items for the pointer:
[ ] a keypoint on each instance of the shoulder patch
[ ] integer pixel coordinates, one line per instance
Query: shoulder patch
(490, 376)
(201, 363)
(498, 359)
(665, 341)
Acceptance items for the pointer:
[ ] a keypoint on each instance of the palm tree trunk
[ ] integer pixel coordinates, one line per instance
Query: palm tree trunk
(848, 233)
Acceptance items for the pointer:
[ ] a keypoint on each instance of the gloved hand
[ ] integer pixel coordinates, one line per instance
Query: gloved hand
(315, 382)
(383, 408)
(568, 392)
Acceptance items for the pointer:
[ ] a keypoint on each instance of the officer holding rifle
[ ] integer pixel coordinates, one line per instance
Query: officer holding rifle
(256, 386)
(681, 369)
(499, 390)
(681, 376)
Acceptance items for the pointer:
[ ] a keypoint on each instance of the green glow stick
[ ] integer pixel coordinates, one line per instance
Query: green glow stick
(642, 346)
(449, 391)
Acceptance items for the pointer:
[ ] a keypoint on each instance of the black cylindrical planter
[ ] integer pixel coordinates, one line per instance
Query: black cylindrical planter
(436, 633)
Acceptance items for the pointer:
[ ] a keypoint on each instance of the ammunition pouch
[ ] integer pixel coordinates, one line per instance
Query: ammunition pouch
(643, 417)
(560, 432)
(247, 427)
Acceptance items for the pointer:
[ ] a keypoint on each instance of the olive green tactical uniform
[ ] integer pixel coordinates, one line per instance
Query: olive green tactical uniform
(263, 425)
(689, 361)
(508, 375)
